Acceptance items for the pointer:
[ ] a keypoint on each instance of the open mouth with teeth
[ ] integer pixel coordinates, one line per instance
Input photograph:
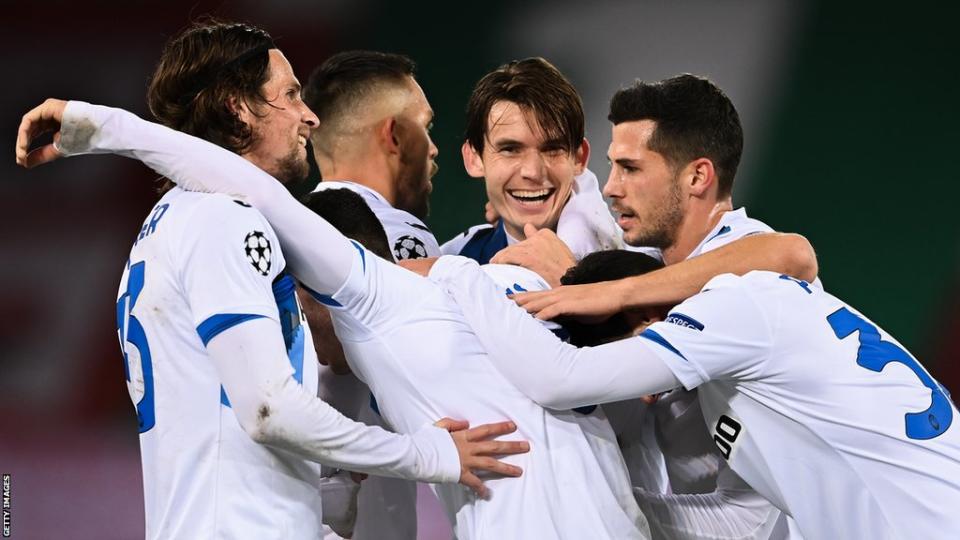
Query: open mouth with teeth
(531, 197)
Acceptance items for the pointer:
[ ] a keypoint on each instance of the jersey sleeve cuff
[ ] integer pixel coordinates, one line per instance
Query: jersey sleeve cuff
(441, 460)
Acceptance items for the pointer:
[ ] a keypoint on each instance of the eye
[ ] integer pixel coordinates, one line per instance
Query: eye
(509, 149)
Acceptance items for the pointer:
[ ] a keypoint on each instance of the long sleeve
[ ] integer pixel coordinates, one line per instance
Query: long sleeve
(316, 252)
(552, 373)
(277, 411)
(733, 512)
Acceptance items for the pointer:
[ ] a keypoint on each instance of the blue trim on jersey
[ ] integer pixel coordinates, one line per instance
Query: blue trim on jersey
(363, 256)
(657, 338)
(483, 245)
(322, 298)
(723, 230)
(374, 405)
(224, 400)
(216, 324)
(284, 292)
(685, 321)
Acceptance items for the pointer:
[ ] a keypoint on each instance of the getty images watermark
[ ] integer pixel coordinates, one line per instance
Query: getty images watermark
(6, 505)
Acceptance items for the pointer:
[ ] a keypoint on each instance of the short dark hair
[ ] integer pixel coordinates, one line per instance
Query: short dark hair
(605, 266)
(536, 86)
(694, 119)
(337, 86)
(200, 70)
(352, 216)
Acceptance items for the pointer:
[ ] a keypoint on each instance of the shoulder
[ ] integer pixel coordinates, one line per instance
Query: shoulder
(476, 233)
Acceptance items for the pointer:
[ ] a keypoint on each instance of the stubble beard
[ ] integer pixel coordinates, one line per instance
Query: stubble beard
(663, 224)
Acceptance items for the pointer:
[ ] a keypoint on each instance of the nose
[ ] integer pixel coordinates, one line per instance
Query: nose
(531, 165)
(434, 151)
(613, 189)
(307, 116)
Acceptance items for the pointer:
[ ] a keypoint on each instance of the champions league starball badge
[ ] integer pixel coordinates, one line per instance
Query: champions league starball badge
(257, 247)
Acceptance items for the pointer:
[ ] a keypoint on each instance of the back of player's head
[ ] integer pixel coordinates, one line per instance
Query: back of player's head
(201, 70)
(346, 83)
(605, 266)
(537, 87)
(352, 216)
(694, 119)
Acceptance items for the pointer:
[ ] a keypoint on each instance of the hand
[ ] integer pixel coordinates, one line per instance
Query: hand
(542, 251)
(418, 266)
(41, 119)
(476, 448)
(589, 303)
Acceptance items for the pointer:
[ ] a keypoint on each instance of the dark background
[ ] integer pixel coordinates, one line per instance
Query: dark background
(851, 133)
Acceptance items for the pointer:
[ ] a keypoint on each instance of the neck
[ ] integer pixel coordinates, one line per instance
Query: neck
(697, 223)
(370, 173)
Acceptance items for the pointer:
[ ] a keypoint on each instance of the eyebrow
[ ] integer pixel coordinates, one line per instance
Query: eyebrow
(506, 142)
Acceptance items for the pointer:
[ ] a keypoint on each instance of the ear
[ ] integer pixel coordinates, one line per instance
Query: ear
(582, 157)
(239, 108)
(472, 161)
(388, 136)
(700, 176)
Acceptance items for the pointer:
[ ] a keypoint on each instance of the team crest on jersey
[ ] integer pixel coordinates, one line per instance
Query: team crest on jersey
(409, 247)
(258, 250)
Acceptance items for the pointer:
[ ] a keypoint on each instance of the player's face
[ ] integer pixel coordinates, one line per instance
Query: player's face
(645, 189)
(528, 178)
(418, 153)
(282, 126)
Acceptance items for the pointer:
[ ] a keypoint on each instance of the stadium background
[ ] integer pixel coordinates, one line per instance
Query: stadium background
(851, 131)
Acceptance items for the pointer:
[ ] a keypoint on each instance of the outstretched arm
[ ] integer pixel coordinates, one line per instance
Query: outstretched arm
(547, 370)
(316, 252)
(789, 254)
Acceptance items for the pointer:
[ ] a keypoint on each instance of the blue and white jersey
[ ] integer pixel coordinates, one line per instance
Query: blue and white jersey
(585, 225)
(408, 236)
(407, 339)
(817, 408)
(201, 264)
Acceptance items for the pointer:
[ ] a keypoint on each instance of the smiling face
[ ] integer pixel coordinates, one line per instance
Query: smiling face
(645, 189)
(281, 126)
(528, 178)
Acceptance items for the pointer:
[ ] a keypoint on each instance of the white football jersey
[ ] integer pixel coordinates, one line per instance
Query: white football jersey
(818, 409)
(201, 264)
(689, 452)
(408, 236)
(406, 338)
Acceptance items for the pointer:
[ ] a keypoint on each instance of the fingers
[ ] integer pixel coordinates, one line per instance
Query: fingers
(470, 480)
(452, 425)
(41, 155)
(529, 230)
(500, 448)
(489, 431)
(39, 120)
(489, 464)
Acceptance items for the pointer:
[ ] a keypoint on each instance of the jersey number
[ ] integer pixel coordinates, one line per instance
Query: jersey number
(133, 343)
(874, 354)
(727, 431)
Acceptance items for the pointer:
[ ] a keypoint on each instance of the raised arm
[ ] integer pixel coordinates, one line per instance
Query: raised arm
(550, 372)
